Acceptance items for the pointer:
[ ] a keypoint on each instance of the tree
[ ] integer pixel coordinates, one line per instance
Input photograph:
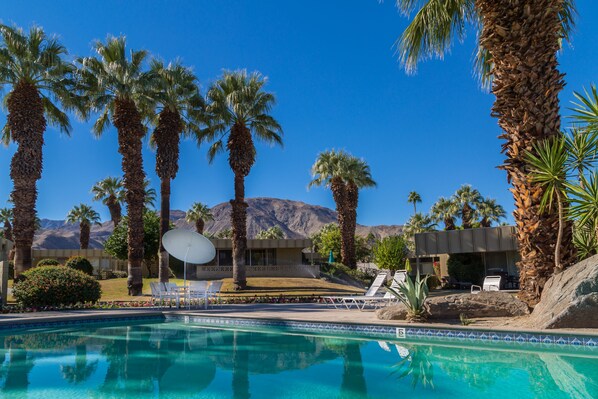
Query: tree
(489, 211)
(110, 192)
(39, 88)
(329, 239)
(273, 233)
(117, 243)
(239, 112)
(466, 199)
(344, 174)
(225, 234)
(179, 106)
(418, 223)
(547, 164)
(116, 85)
(6, 217)
(517, 53)
(414, 198)
(85, 216)
(199, 214)
(390, 252)
(445, 210)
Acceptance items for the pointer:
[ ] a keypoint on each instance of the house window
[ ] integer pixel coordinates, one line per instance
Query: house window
(263, 257)
(225, 257)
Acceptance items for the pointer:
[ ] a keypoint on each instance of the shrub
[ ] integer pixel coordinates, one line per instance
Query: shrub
(80, 263)
(413, 295)
(55, 286)
(391, 252)
(466, 268)
(48, 262)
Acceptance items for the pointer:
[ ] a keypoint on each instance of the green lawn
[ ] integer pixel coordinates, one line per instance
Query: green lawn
(116, 289)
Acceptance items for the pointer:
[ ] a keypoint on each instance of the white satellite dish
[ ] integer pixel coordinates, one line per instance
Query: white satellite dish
(188, 246)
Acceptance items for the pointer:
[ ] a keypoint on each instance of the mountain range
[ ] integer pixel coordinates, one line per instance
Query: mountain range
(296, 219)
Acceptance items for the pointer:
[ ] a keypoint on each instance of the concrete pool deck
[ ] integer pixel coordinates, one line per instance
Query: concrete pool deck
(309, 312)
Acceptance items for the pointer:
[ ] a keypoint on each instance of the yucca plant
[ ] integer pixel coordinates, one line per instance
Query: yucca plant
(413, 295)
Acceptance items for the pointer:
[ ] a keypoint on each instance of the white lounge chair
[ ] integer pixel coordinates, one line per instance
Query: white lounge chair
(197, 290)
(388, 298)
(169, 292)
(347, 301)
(491, 283)
(213, 291)
(156, 294)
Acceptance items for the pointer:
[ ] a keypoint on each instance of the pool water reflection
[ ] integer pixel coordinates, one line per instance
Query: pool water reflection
(176, 360)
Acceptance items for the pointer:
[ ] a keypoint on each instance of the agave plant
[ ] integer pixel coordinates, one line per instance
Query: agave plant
(413, 295)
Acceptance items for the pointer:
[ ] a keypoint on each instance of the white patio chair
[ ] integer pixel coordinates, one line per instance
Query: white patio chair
(347, 301)
(388, 298)
(197, 290)
(169, 292)
(213, 291)
(156, 293)
(491, 283)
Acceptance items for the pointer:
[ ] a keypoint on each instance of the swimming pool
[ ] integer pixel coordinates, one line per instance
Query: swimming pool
(175, 359)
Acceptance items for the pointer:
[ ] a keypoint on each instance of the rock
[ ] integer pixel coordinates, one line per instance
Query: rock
(394, 312)
(569, 299)
(484, 304)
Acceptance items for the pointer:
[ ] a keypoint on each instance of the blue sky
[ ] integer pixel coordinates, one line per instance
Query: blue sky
(338, 85)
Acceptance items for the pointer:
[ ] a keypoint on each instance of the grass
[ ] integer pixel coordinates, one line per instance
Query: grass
(115, 290)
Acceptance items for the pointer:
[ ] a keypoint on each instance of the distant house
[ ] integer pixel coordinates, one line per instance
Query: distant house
(497, 247)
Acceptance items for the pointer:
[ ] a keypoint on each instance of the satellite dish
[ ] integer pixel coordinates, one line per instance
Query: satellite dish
(188, 246)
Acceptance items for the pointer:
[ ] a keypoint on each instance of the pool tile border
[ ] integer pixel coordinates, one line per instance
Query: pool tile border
(399, 332)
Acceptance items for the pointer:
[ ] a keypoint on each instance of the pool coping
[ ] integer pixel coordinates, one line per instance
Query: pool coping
(355, 328)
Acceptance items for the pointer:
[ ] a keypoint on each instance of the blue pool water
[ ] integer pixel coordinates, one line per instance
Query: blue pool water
(177, 360)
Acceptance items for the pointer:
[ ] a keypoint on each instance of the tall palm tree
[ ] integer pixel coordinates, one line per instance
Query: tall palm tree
(85, 216)
(239, 112)
(345, 175)
(110, 192)
(179, 105)
(199, 214)
(414, 198)
(445, 210)
(548, 164)
(517, 53)
(489, 211)
(39, 88)
(6, 218)
(466, 198)
(116, 85)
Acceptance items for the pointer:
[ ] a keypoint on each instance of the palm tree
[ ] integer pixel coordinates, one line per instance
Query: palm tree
(6, 217)
(199, 214)
(489, 211)
(419, 223)
(548, 169)
(273, 233)
(466, 198)
(239, 112)
(225, 234)
(115, 85)
(178, 106)
(110, 192)
(414, 198)
(39, 88)
(517, 53)
(85, 216)
(445, 210)
(344, 174)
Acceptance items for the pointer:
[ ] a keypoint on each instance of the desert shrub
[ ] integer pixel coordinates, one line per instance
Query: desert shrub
(110, 274)
(48, 262)
(80, 263)
(466, 268)
(390, 253)
(120, 274)
(55, 286)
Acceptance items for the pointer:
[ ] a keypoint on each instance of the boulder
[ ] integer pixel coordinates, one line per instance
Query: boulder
(569, 299)
(484, 304)
(394, 312)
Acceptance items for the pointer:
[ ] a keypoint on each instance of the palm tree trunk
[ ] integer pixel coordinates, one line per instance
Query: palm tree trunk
(558, 267)
(130, 132)
(352, 199)
(449, 224)
(414, 208)
(27, 125)
(338, 189)
(163, 271)
(466, 216)
(240, 381)
(115, 210)
(239, 226)
(523, 38)
(199, 225)
(84, 231)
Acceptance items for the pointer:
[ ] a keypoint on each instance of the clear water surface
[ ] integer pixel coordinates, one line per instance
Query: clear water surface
(177, 360)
